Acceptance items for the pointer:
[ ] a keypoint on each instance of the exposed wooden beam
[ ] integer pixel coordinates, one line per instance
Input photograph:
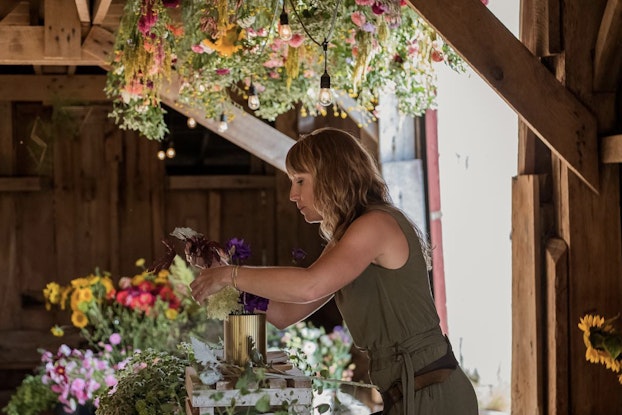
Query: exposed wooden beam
(63, 35)
(45, 87)
(611, 149)
(245, 131)
(557, 117)
(220, 182)
(100, 10)
(607, 56)
(83, 11)
(18, 15)
(24, 184)
(24, 45)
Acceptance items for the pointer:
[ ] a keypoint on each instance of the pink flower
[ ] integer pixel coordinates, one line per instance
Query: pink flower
(114, 339)
(485, 2)
(273, 63)
(378, 8)
(197, 49)
(364, 2)
(296, 40)
(110, 380)
(223, 71)
(273, 75)
(358, 18)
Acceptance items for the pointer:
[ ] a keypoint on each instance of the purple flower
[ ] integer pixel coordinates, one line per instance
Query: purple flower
(298, 255)
(238, 249)
(252, 303)
(171, 4)
(368, 27)
(378, 8)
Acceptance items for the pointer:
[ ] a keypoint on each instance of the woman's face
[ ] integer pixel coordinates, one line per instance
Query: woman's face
(301, 193)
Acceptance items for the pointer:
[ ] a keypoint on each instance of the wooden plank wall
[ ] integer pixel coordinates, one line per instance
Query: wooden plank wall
(579, 237)
(78, 193)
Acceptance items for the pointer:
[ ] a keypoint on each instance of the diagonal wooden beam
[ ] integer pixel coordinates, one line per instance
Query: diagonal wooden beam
(555, 115)
(84, 12)
(607, 56)
(100, 10)
(246, 131)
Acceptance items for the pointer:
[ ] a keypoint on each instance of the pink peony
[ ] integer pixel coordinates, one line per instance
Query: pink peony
(358, 18)
(296, 40)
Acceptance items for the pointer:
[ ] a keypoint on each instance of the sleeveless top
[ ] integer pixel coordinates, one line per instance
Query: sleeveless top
(391, 315)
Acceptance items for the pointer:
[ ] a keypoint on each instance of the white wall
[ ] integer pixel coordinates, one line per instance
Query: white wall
(478, 156)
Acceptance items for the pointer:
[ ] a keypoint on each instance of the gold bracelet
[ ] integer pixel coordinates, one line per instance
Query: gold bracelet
(234, 273)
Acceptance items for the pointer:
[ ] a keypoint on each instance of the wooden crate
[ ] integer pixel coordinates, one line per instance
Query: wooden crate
(291, 388)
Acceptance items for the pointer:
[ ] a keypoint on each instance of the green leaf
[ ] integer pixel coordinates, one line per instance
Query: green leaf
(263, 404)
(323, 408)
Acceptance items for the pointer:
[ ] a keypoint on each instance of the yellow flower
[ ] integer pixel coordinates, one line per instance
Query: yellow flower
(57, 331)
(140, 262)
(171, 314)
(588, 321)
(85, 295)
(64, 295)
(80, 282)
(108, 285)
(225, 45)
(51, 292)
(137, 279)
(79, 319)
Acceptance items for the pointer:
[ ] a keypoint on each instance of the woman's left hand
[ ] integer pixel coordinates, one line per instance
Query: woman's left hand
(210, 281)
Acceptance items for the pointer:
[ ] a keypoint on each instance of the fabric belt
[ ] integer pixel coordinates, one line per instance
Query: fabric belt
(435, 372)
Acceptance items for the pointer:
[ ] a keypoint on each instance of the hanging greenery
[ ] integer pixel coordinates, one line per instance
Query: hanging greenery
(221, 47)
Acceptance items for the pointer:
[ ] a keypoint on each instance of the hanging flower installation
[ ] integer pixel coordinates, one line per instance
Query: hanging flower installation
(225, 52)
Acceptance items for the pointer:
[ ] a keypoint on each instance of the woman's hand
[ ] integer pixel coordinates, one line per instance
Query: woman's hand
(210, 281)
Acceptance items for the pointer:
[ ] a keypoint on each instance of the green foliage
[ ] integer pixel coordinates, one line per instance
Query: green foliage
(226, 46)
(31, 398)
(151, 384)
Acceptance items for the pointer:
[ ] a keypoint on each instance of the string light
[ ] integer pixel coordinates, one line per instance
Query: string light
(170, 151)
(325, 97)
(253, 98)
(191, 122)
(161, 155)
(285, 31)
(222, 124)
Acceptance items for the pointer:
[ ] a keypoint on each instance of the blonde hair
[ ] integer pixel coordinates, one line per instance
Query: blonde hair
(347, 179)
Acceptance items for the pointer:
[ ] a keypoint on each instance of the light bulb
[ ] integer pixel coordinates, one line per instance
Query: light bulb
(285, 31)
(222, 124)
(253, 98)
(325, 97)
(161, 155)
(170, 152)
(191, 122)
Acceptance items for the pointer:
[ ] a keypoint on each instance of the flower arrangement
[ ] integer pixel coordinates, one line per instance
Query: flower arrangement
(222, 51)
(603, 342)
(77, 376)
(146, 310)
(149, 311)
(202, 253)
(317, 353)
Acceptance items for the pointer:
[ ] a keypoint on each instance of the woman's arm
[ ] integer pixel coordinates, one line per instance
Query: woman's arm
(283, 315)
(373, 237)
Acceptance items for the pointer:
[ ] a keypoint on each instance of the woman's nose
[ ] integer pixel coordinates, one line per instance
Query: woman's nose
(293, 195)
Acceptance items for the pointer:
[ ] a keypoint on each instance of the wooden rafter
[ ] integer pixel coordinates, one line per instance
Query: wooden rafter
(83, 11)
(18, 15)
(100, 10)
(607, 56)
(49, 87)
(555, 115)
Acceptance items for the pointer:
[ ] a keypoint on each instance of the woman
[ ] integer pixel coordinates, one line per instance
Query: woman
(375, 264)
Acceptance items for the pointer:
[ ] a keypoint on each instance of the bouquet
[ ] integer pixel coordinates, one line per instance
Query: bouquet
(202, 253)
(146, 310)
(317, 353)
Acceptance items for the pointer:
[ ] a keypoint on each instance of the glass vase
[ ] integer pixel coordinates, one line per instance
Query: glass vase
(242, 334)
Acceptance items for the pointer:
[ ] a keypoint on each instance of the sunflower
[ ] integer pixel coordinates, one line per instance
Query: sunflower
(171, 313)
(79, 319)
(51, 292)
